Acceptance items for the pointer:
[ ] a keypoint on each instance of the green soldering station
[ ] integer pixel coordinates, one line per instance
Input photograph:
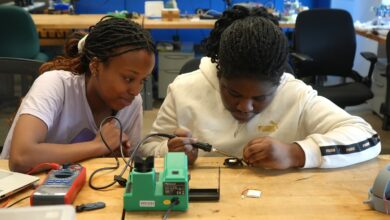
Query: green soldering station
(147, 189)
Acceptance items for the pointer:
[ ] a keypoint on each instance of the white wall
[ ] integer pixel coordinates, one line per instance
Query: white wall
(360, 10)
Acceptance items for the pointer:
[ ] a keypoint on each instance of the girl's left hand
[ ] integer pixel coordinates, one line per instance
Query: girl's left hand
(270, 153)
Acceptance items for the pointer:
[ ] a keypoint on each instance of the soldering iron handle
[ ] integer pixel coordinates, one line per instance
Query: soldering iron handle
(204, 146)
(169, 136)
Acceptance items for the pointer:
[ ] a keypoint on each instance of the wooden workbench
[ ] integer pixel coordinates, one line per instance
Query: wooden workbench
(289, 194)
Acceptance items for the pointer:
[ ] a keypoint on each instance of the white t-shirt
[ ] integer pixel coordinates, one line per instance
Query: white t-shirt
(58, 98)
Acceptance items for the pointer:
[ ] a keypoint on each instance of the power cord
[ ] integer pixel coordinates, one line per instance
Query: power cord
(17, 201)
(174, 202)
(129, 163)
(117, 179)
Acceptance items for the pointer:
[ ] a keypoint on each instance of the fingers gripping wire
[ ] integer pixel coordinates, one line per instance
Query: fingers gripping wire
(116, 179)
(120, 135)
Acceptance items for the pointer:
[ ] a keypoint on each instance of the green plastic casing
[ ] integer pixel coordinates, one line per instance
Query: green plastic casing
(155, 191)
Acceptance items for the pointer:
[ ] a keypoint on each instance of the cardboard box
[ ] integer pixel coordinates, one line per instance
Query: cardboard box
(170, 14)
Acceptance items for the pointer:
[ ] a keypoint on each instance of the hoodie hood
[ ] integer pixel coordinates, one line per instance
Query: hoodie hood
(209, 71)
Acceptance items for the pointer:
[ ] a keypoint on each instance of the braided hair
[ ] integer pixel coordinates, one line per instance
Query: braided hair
(110, 37)
(248, 44)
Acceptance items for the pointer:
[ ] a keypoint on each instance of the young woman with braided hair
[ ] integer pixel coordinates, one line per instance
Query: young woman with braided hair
(241, 102)
(101, 75)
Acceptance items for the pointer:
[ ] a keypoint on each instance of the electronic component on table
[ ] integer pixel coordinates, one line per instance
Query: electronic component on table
(60, 186)
(233, 162)
(251, 193)
(90, 206)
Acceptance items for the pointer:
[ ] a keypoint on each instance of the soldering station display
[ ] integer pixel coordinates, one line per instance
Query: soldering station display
(174, 188)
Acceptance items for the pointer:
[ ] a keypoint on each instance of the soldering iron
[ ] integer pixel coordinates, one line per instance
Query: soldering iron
(201, 145)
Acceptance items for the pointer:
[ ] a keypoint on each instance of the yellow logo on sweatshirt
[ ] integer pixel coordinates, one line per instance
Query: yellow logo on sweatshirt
(271, 127)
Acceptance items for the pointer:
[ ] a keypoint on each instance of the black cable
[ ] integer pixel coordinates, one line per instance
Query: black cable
(118, 178)
(120, 135)
(14, 203)
(123, 214)
(129, 163)
(131, 158)
(111, 152)
(99, 170)
(174, 202)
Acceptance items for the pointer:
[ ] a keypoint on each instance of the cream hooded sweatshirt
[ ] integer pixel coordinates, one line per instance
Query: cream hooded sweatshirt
(329, 136)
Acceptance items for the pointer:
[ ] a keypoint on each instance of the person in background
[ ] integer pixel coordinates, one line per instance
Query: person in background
(101, 75)
(242, 102)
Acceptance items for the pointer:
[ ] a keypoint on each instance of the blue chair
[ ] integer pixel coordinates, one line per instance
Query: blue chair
(18, 39)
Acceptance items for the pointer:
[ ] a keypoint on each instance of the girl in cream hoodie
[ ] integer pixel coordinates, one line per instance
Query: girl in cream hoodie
(241, 101)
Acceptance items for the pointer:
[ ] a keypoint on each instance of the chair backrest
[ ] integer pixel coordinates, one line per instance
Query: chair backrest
(190, 66)
(19, 37)
(388, 46)
(194, 63)
(289, 69)
(28, 70)
(327, 36)
(385, 108)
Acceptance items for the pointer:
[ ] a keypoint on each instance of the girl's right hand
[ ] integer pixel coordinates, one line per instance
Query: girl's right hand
(110, 134)
(182, 143)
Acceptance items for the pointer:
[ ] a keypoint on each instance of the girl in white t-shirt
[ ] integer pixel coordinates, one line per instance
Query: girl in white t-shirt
(101, 75)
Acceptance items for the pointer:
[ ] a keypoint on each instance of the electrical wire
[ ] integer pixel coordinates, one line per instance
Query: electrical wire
(5, 203)
(131, 158)
(165, 217)
(17, 201)
(111, 152)
(174, 202)
(99, 170)
(129, 163)
(118, 178)
(120, 136)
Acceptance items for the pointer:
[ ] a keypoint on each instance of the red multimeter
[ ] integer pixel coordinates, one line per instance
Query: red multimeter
(60, 186)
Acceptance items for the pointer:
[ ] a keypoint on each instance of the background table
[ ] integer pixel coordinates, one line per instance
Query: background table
(54, 28)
